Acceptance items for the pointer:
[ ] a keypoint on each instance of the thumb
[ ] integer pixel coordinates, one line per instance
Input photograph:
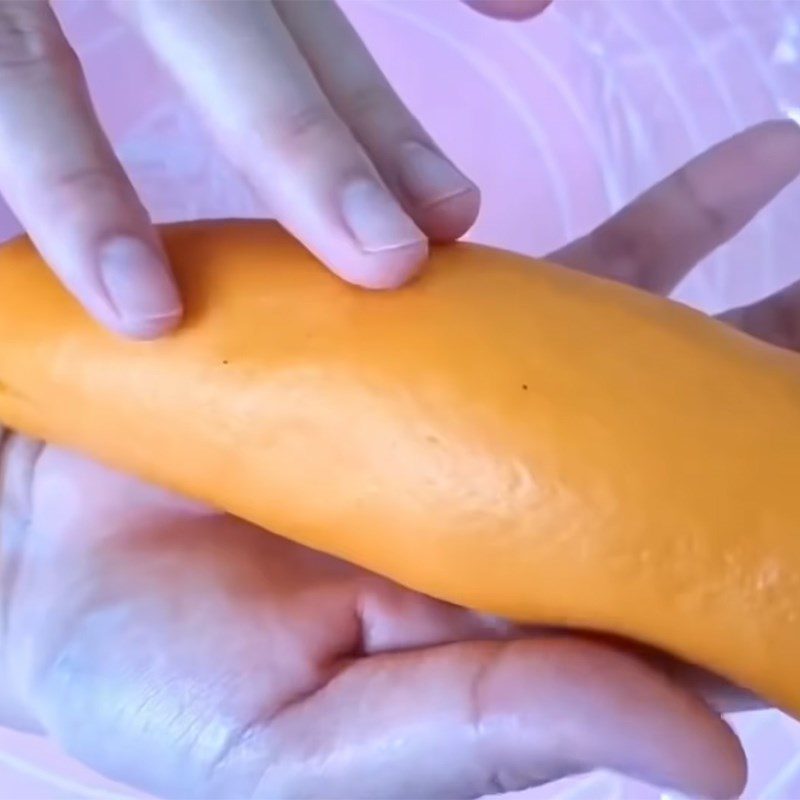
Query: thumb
(468, 719)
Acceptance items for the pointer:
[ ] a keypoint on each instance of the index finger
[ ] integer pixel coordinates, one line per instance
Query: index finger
(63, 182)
(244, 72)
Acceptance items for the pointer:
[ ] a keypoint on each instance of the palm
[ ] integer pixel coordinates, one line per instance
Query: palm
(190, 654)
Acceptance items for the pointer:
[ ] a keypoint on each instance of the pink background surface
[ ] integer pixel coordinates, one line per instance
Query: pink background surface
(561, 121)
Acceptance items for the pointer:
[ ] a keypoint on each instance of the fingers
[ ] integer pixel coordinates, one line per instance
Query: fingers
(509, 9)
(241, 67)
(191, 655)
(776, 319)
(721, 695)
(659, 237)
(62, 180)
(441, 200)
(470, 719)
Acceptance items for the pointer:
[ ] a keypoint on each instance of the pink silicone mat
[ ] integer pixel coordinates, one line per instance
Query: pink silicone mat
(560, 120)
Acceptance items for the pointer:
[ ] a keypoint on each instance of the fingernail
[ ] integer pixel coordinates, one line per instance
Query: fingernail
(428, 177)
(138, 284)
(376, 219)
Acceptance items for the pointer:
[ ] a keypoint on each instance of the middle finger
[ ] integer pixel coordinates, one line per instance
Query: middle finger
(240, 66)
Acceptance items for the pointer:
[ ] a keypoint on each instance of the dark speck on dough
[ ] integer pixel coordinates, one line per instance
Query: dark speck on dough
(524, 387)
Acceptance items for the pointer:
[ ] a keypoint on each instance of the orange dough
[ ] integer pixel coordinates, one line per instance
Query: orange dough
(503, 434)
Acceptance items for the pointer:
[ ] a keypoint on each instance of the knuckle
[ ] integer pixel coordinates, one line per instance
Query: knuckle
(712, 218)
(73, 192)
(93, 179)
(481, 688)
(624, 251)
(296, 131)
(31, 40)
(369, 102)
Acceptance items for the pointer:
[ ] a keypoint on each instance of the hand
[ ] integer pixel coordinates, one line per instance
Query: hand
(192, 655)
(295, 101)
